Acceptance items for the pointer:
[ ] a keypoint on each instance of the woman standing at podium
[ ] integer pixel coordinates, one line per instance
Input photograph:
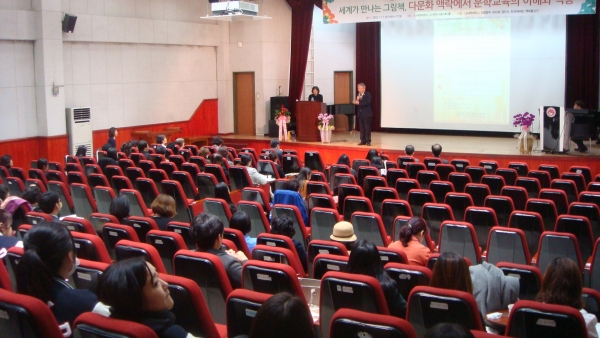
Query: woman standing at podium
(315, 96)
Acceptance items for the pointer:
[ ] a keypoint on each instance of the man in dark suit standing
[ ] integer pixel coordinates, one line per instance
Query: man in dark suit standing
(364, 114)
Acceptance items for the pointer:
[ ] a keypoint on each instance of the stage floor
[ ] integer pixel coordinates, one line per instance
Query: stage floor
(422, 143)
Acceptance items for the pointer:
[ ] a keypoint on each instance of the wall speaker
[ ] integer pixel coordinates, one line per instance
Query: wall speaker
(68, 24)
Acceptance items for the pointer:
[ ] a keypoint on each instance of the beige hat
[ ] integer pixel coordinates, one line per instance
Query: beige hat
(343, 232)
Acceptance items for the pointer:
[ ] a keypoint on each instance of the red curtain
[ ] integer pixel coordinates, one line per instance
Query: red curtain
(302, 14)
(582, 68)
(368, 67)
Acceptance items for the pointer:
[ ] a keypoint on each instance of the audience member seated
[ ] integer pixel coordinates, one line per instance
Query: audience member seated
(111, 158)
(223, 151)
(222, 192)
(241, 221)
(448, 330)
(207, 232)
(81, 152)
(4, 192)
(50, 204)
(492, 290)
(143, 149)
(436, 150)
(217, 142)
(411, 239)
(255, 176)
(283, 315)
(161, 150)
(106, 146)
(365, 260)
(112, 134)
(284, 225)
(163, 209)
(48, 262)
(409, 150)
(135, 292)
(291, 196)
(303, 178)
(344, 159)
(276, 146)
(126, 148)
(42, 164)
(7, 234)
(32, 195)
(371, 153)
(343, 232)
(378, 163)
(161, 140)
(273, 157)
(119, 207)
(219, 160)
(205, 153)
(6, 161)
(562, 285)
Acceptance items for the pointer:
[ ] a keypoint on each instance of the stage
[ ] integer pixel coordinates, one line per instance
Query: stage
(472, 148)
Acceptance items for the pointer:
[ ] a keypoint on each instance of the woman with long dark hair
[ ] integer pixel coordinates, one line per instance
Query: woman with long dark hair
(411, 239)
(49, 260)
(344, 159)
(120, 208)
(365, 260)
(562, 285)
(134, 292)
(303, 178)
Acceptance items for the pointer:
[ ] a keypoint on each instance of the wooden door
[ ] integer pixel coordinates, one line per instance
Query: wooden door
(342, 84)
(243, 103)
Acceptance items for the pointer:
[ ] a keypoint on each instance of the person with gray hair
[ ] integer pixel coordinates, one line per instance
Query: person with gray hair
(364, 114)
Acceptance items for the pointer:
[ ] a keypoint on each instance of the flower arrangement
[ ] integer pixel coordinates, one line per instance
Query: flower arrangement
(282, 112)
(324, 122)
(523, 120)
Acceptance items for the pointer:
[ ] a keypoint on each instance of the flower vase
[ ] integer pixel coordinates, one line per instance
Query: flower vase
(525, 141)
(325, 135)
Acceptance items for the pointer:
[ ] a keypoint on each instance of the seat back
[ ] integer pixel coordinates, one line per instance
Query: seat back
(502, 206)
(568, 186)
(369, 226)
(173, 189)
(559, 198)
(530, 278)
(531, 184)
(218, 207)
(103, 196)
(429, 306)
(167, 243)
(494, 182)
(15, 186)
(87, 274)
(271, 278)
(546, 208)
(536, 319)
(317, 247)
(417, 199)
(475, 172)
(589, 210)
(292, 211)
(557, 244)
(407, 277)
(339, 179)
(126, 249)
(25, 316)
(112, 233)
(258, 219)
(353, 291)
(413, 168)
(83, 201)
(90, 247)
(323, 263)
(208, 272)
(354, 204)
(434, 215)
(63, 193)
(507, 245)
(92, 325)
(291, 164)
(532, 225)
(509, 174)
(578, 226)
(242, 306)
(282, 255)
(313, 160)
(142, 225)
(239, 178)
(460, 237)
(354, 323)
(206, 182)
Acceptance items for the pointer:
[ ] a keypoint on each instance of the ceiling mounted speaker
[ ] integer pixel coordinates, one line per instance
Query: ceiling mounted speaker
(68, 24)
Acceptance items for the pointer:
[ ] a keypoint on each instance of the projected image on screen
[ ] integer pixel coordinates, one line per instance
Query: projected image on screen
(470, 74)
(471, 70)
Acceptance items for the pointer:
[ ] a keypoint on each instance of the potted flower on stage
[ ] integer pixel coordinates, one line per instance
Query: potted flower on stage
(525, 138)
(282, 118)
(325, 128)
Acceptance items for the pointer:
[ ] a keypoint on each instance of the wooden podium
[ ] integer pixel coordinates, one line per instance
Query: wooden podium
(307, 113)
